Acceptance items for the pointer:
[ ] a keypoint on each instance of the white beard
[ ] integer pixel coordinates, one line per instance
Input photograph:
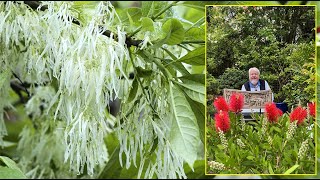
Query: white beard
(254, 81)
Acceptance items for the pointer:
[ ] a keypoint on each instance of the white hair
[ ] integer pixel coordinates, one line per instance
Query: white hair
(254, 69)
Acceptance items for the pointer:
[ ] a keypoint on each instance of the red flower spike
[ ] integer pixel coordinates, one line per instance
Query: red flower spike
(222, 121)
(279, 112)
(298, 114)
(312, 109)
(272, 112)
(220, 104)
(236, 102)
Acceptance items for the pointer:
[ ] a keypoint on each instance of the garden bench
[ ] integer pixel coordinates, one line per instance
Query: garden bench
(254, 101)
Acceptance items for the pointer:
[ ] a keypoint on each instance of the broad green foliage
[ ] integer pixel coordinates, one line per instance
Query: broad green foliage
(77, 57)
(302, 86)
(232, 78)
(262, 147)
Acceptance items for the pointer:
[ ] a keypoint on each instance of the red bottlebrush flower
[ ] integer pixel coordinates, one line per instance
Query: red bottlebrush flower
(298, 114)
(236, 102)
(220, 104)
(279, 112)
(272, 112)
(312, 109)
(222, 121)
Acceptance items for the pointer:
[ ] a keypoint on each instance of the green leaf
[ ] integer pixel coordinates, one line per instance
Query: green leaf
(277, 142)
(146, 8)
(174, 30)
(289, 171)
(134, 15)
(195, 57)
(154, 146)
(130, 17)
(184, 135)
(270, 169)
(199, 111)
(113, 168)
(150, 8)
(200, 78)
(265, 146)
(176, 66)
(199, 166)
(196, 91)
(7, 144)
(250, 157)
(247, 163)
(220, 146)
(143, 72)
(133, 91)
(277, 129)
(197, 69)
(149, 58)
(195, 33)
(11, 167)
(147, 24)
(9, 162)
(255, 171)
(8, 173)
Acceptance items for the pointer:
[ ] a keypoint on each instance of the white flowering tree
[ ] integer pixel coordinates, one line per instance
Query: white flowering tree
(63, 64)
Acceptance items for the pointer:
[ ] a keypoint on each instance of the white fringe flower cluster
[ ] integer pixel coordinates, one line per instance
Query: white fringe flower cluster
(216, 165)
(270, 140)
(45, 46)
(140, 131)
(223, 139)
(303, 149)
(243, 124)
(240, 143)
(291, 130)
(263, 128)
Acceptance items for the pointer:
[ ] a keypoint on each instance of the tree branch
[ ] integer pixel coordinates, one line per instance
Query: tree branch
(17, 88)
(35, 4)
(23, 84)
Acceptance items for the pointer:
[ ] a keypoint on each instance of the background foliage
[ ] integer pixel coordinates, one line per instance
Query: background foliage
(277, 40)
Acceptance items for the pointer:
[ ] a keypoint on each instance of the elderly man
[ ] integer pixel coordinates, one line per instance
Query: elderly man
(255, 83)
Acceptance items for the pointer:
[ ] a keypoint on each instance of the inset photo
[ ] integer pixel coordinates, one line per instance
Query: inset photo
(261, 90)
